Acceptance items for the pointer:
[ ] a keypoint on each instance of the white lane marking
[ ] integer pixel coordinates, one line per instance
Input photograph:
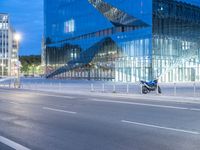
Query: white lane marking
(58, 96)
(144, 104)
(10, 102)
(161, 127)
(12, 144)
(42, 94)
(153, 97)
(194, 109)
(13, 103)
(59, 110)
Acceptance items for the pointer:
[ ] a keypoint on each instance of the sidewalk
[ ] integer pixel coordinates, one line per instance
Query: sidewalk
(151, 96)
(179, 92)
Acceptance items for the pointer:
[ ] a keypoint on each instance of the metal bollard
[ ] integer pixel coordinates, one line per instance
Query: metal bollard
(141, 89)
(194, 89)
(157, 92)
(60, 86)
(103, 87)
(127, 88)
(51, 85)
(92, 87)
(114, 88)
(174, 89)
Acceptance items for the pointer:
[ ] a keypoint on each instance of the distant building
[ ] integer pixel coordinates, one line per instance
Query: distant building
(8, 47)
(122, 40)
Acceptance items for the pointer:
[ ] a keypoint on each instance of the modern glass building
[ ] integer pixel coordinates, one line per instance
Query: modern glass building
(122, 41)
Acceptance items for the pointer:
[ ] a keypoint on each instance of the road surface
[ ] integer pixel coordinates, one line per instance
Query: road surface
(49, 121)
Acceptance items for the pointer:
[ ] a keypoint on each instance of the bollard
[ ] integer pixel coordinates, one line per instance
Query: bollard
(92, 87)
(103, 87)
(194, 89)
(59, 86)
(114, 88)
(127, 88)
(174, 89)
(36, 85)
(141, 89)
(157, 92)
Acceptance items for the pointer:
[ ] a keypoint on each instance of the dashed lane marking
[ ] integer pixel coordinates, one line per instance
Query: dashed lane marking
(59, 110)
(12, 144)
(161, 127)
(145, 104)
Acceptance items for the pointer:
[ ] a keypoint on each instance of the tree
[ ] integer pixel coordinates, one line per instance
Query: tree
(29, 61)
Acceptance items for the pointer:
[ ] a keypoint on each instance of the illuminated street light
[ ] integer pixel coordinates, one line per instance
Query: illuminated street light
(17, 38)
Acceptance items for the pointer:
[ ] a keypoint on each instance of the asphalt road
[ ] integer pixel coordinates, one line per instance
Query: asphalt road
(47, 121)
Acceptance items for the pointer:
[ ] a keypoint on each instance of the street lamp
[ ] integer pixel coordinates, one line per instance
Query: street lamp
(17, 38)
(33, 70)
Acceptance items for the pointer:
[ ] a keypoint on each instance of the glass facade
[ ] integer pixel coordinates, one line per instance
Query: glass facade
(176, 35)
(121, 41)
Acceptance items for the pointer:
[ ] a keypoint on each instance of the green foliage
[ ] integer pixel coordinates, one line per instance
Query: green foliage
(28, 62)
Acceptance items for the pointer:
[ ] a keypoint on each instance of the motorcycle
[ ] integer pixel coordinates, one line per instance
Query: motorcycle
(147, 87)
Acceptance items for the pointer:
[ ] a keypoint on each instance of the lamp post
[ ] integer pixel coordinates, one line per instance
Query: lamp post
(33, 70)
(17, 38)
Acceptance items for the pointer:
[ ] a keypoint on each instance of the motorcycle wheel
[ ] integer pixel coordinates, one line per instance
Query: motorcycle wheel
(159, 90)
(144, 90)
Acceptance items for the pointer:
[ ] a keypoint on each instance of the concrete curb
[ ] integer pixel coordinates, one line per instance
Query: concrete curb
(125, 96)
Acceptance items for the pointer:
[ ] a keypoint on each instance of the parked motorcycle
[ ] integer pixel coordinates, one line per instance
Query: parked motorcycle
(147, 87)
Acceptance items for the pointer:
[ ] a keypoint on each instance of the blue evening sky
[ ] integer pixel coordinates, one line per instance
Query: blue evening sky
(27, 18)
